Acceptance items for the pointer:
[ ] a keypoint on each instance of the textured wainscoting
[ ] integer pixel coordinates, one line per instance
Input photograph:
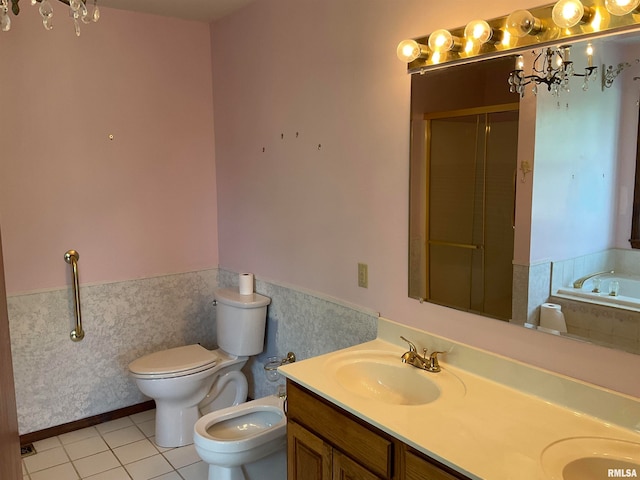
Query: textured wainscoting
(59, 381)
(303, 323)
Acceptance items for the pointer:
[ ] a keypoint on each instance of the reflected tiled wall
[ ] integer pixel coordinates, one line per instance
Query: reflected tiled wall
(607, 326)
(604, 325)
(531, 287)
(59, 381)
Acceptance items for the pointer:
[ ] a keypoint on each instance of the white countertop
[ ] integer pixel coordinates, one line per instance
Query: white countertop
(490, 430)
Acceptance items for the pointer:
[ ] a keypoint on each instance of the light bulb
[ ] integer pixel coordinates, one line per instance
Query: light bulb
(522, 23)
(442, 41)
(621, 7)
(568, 13)
(480, 31)
(409, 50)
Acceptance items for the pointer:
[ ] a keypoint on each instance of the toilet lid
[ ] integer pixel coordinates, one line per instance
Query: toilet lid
(174, 360)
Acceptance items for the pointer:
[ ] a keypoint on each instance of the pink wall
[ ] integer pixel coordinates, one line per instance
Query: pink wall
(139, 205)
(327, 70)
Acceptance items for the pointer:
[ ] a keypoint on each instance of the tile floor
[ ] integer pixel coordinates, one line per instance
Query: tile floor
(121, 449)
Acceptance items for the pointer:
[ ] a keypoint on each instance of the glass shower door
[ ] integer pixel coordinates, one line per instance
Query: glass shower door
(471, 164)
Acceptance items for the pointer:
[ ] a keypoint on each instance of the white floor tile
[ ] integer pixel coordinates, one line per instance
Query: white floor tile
(78, 435)
(143, 416)
(160, 449)
(116, 450)
(135, 451)
(169, 476)
(86, 447)
(114, 425)
(46, 459)
(149, 468)
(46, 444)
(183, 456)
(60, 472)
(197, 471)
(148, 428)
(123, 436)
(116, 474)
(98, 463)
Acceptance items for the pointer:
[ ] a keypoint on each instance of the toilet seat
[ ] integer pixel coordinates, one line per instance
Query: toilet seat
(174, 362)
(242, 427)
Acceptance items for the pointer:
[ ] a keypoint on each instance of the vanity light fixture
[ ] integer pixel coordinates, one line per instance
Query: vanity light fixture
(522, 23)
(569, 13)
(442, 41)
(409, 50)
(77, 10)
(622, 7)
(560, 23)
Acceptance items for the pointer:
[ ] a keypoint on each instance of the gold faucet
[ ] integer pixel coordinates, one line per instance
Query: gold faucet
(412, 357)
(578, 283)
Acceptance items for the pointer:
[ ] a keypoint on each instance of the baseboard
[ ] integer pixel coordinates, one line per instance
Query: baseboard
(28, 438)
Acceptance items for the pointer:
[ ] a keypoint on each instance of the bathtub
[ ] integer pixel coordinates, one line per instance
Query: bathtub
(628, 291)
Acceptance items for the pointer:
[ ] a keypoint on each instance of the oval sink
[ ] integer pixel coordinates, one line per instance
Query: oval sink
(382, 377)
(591, 458)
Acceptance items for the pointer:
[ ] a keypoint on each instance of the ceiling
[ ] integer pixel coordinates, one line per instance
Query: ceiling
(202, 10)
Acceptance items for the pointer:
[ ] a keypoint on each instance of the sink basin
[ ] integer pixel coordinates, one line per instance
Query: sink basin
(382, 377)
(591, 458)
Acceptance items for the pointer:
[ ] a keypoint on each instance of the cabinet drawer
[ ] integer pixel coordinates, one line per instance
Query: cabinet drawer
(371, 448)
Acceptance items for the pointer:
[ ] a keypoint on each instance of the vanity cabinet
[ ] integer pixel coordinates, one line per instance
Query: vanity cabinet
(325, 442)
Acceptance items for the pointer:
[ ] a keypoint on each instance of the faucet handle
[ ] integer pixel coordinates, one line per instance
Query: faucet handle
(412, 347)
(434, 366)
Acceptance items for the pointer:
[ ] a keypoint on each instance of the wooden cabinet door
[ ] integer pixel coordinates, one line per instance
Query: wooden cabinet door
(309, 457)
(346, 469)
(344, 432)
(419, 468)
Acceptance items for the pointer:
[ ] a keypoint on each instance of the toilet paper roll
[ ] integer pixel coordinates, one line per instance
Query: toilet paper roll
(245, 283)
(551, 317)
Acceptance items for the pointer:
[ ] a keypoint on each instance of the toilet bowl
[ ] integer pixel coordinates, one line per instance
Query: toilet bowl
(188, 381)
(245, 442)
(183, 379)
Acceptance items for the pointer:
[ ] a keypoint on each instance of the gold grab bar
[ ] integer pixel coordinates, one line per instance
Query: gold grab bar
(72, 257)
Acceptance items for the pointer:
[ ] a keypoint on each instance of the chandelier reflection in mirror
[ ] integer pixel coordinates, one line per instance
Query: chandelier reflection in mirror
(549, 30)
(77, 10)
(552, 67)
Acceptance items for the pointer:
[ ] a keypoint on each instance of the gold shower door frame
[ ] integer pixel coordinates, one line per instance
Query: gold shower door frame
(448, 291)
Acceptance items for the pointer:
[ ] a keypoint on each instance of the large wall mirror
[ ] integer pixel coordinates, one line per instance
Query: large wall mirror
(579, 175)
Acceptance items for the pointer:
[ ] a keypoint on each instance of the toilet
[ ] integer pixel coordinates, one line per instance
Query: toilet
(188, 381)
(245, 442)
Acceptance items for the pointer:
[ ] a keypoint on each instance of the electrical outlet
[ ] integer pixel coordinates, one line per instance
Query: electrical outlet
(363, 275)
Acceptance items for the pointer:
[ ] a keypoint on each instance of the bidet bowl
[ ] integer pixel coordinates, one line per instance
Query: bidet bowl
(591, 458)
(382, 377)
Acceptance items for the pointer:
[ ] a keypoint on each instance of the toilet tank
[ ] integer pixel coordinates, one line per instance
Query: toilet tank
(240, 321)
